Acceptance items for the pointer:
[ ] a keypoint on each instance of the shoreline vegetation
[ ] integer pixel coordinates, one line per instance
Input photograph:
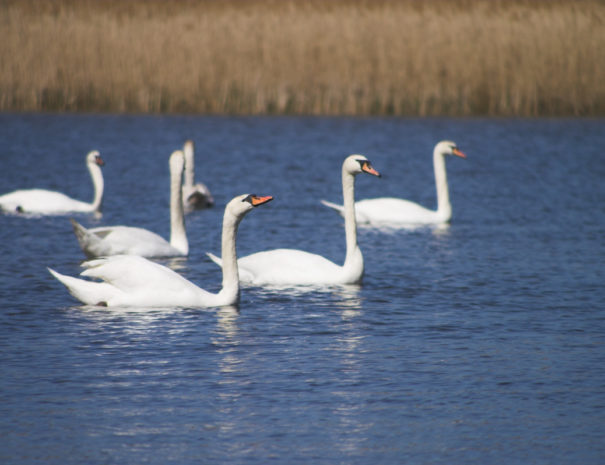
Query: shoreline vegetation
(312, 57)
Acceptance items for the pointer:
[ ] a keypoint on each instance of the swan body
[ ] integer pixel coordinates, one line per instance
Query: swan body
(126, 240)
(46, 202)
(394, 211)
(132, 281)
(290, 266)
(195, 196)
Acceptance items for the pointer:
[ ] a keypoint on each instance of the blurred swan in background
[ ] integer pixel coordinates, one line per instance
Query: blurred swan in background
(393, 211)
(131, 281)
(125, 240)
(195, 196)
(46, 202)
(290, 266)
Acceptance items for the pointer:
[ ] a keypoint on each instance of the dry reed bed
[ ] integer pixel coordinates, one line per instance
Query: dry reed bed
(473, 57)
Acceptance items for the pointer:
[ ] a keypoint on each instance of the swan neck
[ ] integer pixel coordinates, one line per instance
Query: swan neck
(348, 195)
(178, 234)
(97, 181)
(444, 207)
(228, 253)
(189, 168)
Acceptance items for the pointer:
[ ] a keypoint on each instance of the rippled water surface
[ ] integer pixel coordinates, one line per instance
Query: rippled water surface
(478, 343)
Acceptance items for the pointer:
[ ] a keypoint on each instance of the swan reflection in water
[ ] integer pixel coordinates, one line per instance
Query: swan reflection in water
(394, 228)
(345, 296)
(227, 321)
(175, 263)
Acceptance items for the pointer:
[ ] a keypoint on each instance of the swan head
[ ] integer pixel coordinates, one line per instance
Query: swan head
(188, 148)
(242, 204)
(94, 158)
(355, 164)
(447, 147)
(177, 161)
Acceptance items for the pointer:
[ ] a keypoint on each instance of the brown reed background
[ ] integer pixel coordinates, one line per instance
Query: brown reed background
(350, 57)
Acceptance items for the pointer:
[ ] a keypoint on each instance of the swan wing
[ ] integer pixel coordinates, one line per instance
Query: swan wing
(131, 273)
(387, 210)
(127, 240)
(41, 201)
(88, 292)
(128, 280)
(133, 281)
(288, 266)
(122, 240)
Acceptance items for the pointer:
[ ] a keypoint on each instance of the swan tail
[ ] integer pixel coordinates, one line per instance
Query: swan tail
(339, 208)
(215, 259)
(87, 292)
(88, 241)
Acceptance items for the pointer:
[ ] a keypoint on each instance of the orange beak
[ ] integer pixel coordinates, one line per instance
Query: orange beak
(369, 169)
(458, 153)
(257, 200)
(99, 161)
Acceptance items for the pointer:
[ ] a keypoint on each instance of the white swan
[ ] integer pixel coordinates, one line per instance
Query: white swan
(125, 240)
(195, 196)
(45, 202)
(393, 211)
(131, 281)
(289, 266)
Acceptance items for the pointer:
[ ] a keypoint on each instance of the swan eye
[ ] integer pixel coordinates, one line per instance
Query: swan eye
(367, 167)
(256, 200)
(456, 151)
(249, 199)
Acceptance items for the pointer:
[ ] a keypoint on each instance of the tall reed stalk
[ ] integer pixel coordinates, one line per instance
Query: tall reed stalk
(351, 57)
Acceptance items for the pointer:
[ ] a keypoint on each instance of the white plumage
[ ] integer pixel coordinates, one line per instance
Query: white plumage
(126, 240)
(290, 266)
(131, 281)
(46, 202)
(390, 211)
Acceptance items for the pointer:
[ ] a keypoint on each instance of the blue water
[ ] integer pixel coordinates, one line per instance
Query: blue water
(481, 343)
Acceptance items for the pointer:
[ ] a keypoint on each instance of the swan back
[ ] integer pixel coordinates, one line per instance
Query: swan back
(296, 267)
(46, 202)
(128, 280)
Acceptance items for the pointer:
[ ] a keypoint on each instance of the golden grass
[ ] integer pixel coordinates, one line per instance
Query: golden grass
(352, 57)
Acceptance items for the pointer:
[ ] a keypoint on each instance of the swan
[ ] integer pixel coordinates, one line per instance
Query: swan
(132, 281)
(296, 267)
(195, 196)
(45, 202)
(393, 211)
(126, 240)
